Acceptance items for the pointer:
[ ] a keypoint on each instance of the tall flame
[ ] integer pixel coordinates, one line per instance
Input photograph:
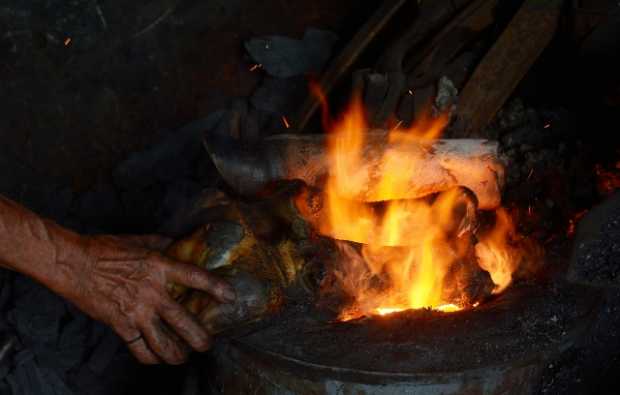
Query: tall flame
(409, 248)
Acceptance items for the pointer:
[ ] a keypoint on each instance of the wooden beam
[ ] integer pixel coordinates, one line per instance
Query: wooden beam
(343, 62)
(506, 63)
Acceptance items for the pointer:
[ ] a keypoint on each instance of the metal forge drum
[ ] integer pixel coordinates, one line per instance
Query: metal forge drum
(502, 347)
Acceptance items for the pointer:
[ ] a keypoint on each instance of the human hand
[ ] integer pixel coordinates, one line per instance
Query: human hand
(123, 282)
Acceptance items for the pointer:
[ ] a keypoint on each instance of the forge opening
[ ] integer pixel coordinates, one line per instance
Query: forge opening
(412, 205)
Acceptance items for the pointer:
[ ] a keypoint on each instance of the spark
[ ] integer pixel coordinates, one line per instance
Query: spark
(547, 125)
(256, 67)
(553, 237)
(398, 124)
(104, 23)
(530, 174)
(285, 122)
(67, 41)
(410, 92)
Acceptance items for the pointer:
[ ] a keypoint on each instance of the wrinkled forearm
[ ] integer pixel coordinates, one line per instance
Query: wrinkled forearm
(118, 281)
(37, 247)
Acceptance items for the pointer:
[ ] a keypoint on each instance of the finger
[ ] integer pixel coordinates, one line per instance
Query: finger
(199, 278)
(164, 343)
(138, 348)
(150, 242)
(143, 353)
(156, 242)
(186, 326)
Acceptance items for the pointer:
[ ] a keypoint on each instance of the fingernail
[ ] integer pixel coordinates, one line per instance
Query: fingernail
(228, 294)
(205, 345)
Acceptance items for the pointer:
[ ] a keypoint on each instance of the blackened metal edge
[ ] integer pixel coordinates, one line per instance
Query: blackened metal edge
(246, 168)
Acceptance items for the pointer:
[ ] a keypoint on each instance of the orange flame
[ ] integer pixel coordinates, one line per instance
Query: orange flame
(493, 253)
(409, 247)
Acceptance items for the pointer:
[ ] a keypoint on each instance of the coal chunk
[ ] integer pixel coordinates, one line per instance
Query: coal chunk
(596, 256)
(167, 161)
(279, 95)
(286, 57)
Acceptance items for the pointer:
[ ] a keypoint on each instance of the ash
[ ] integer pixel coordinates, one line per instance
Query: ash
(598, 260)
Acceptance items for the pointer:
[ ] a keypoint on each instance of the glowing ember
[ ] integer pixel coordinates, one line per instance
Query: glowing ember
(572, 223)
(446, 308)
(608, 179)
(388, 310)
(415, 254)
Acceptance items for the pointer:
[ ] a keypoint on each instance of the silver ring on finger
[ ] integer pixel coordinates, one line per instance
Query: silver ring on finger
(132, 341)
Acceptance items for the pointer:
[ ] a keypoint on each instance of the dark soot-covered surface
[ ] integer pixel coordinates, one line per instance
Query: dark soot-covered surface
(525, 323)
